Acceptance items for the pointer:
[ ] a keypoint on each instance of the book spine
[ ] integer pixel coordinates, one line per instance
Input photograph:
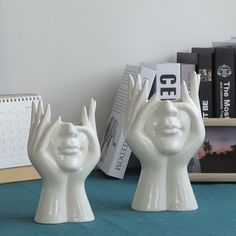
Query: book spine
(205, 70)
(187, 58)
(113, 137)
(224, 86)
(168, 81)
(115, 152)
(187, 73)
(203, 59)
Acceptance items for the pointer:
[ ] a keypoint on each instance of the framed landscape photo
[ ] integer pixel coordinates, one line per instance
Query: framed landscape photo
(216, 159)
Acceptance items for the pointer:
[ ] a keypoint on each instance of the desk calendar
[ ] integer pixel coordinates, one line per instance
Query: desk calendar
(15, 115)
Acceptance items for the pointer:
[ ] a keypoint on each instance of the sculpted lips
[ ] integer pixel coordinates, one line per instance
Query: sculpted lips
(169, 129)
(68, 149)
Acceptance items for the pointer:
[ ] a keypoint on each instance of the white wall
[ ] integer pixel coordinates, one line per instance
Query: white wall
(68, 50)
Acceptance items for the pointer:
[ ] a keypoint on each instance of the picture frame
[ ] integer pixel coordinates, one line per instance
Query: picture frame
(216, 159)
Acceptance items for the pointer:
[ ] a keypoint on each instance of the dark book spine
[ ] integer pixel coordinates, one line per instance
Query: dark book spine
(203, 61)
(187, 58)
(204, 69)
(224, 84)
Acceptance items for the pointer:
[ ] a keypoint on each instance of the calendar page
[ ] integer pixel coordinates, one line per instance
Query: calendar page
(15, 116)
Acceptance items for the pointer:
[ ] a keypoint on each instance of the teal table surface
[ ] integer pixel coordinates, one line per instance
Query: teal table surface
(110, 199)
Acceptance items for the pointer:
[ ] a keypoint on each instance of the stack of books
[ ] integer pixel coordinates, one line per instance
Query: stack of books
(217, 94)
(216, 66)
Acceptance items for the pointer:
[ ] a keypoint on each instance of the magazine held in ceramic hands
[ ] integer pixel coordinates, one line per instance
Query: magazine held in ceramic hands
(164, 135)
(64, 155)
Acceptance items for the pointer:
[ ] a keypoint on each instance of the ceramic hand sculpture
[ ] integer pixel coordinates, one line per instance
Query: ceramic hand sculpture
(64, 155)
(164, 135)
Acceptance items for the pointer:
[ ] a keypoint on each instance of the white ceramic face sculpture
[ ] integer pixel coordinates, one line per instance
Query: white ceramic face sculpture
(64, 155)
(164, 135)
(69, 146)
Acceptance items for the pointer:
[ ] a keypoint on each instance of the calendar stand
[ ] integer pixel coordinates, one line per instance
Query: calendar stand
(15, 116)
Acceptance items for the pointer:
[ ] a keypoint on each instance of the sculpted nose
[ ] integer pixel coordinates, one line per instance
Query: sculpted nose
(168, 108)
(68, 129)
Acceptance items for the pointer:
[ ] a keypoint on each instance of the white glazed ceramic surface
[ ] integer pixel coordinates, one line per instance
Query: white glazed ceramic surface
(64, 155)
(164, 135)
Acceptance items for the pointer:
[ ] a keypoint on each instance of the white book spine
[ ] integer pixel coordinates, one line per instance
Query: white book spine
(115, 152)
(113, 137)
(168, 78)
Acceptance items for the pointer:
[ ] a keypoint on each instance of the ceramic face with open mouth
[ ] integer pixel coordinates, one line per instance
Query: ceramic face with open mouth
(69, 146)
(168, 127)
